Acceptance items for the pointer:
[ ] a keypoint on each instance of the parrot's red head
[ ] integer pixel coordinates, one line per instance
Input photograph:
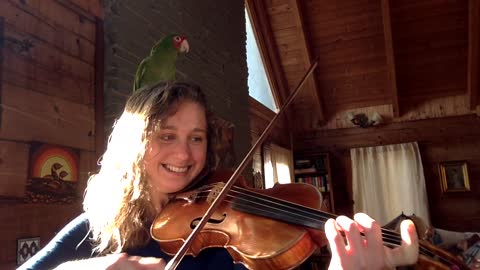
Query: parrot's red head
(180, 43)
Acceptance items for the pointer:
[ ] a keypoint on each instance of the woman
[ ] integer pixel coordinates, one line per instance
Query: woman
(161, 145)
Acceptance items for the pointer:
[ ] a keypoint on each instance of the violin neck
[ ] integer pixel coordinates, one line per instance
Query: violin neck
(266, 206)
(259, 204)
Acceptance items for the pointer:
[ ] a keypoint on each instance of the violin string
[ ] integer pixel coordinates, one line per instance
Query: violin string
(391, 238)
(310, 215)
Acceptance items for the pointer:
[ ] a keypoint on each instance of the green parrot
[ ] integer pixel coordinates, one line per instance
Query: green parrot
(160, 65)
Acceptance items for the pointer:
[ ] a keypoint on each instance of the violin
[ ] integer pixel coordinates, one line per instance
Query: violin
(264, 229)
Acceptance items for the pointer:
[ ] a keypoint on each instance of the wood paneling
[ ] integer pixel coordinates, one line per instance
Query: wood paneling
(390, 56)
(24, 20)
(349, 44)
(311, 84)
(46, 96)
(13, 168)
(373, 55)
(57, 15)
(290, 35)
(430, 41)
(27, 220)
(473, 52)
(26, 73)
(31, 116)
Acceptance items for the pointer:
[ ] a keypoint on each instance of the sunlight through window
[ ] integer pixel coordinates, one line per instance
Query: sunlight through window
(258, 84)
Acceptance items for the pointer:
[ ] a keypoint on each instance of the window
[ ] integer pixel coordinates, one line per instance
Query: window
(258, 83)
(278, 165)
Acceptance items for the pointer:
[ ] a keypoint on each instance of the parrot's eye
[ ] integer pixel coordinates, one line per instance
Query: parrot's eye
(177, 39)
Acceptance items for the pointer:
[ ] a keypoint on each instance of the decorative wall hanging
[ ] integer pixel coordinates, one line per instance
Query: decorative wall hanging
(26, 248)
(454, 176)
(53, 174)
(364, 121)
(224, 149)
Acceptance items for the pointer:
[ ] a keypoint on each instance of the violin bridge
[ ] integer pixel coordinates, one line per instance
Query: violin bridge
(216, 189)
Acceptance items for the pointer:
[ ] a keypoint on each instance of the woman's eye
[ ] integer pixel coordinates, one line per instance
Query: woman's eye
(167, 137)
(197, 139)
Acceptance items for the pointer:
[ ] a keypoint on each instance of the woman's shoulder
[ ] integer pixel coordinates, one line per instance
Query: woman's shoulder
(71, 243)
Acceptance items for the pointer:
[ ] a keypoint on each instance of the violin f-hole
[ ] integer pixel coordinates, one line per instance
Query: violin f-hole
(195, 222)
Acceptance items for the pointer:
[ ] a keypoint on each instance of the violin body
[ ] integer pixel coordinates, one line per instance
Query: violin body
(255, 241)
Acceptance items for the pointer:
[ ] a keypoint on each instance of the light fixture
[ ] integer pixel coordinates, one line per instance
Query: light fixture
(363, 121)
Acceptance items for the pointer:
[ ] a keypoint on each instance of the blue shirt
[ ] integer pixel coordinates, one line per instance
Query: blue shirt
(73, 243)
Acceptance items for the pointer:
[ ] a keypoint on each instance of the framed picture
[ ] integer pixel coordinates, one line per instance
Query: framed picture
(454, 176)
(53, 174)
(26, 248)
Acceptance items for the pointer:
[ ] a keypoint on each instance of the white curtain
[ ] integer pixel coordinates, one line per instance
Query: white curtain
(388, 180)
(278, 165)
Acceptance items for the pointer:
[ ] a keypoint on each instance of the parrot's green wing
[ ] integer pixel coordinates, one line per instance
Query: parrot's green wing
(137, 83)
(160, 65)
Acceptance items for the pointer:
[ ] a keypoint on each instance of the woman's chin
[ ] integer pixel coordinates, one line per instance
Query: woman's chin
(176, 187)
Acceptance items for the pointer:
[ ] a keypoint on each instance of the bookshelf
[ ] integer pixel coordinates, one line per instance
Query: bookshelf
(314, 169)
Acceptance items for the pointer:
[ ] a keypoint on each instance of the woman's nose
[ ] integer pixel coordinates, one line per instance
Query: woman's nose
(183, 150)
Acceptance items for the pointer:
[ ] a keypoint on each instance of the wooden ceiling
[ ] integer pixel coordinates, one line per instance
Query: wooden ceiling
(371, 54)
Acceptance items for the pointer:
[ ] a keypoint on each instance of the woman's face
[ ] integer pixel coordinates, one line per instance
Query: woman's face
(177, 149)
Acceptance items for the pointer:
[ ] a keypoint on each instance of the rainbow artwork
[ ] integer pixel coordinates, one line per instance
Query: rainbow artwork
(54, 159)
(54, 174)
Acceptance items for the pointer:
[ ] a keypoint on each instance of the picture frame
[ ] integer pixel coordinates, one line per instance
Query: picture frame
(454, 176)
(53, 174)
(26, 248)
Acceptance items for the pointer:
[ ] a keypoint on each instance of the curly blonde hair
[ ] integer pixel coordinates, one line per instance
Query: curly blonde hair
(117, 199)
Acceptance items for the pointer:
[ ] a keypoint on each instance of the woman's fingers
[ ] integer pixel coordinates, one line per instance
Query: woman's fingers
(335, 239)
(407, 253)
(368, 251)
(352, 233)
(372, 231)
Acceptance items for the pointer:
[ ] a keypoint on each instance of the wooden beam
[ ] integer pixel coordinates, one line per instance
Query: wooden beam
(269, 52)
(307, 57)
(473, 43)
(2, 43)
(433, 130)
(389, 53)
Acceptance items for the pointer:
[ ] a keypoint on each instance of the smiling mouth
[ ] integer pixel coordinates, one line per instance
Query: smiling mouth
(175, 169)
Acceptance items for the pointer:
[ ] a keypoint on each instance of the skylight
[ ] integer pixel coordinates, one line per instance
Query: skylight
(258, 84)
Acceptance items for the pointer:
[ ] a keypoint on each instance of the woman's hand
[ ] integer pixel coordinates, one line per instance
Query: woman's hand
(368, 251)
(116, 262)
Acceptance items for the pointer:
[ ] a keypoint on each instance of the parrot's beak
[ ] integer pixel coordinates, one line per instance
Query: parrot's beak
(184, 47)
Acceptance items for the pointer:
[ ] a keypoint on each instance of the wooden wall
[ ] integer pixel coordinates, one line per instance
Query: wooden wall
(439, 139)
(47, 95)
